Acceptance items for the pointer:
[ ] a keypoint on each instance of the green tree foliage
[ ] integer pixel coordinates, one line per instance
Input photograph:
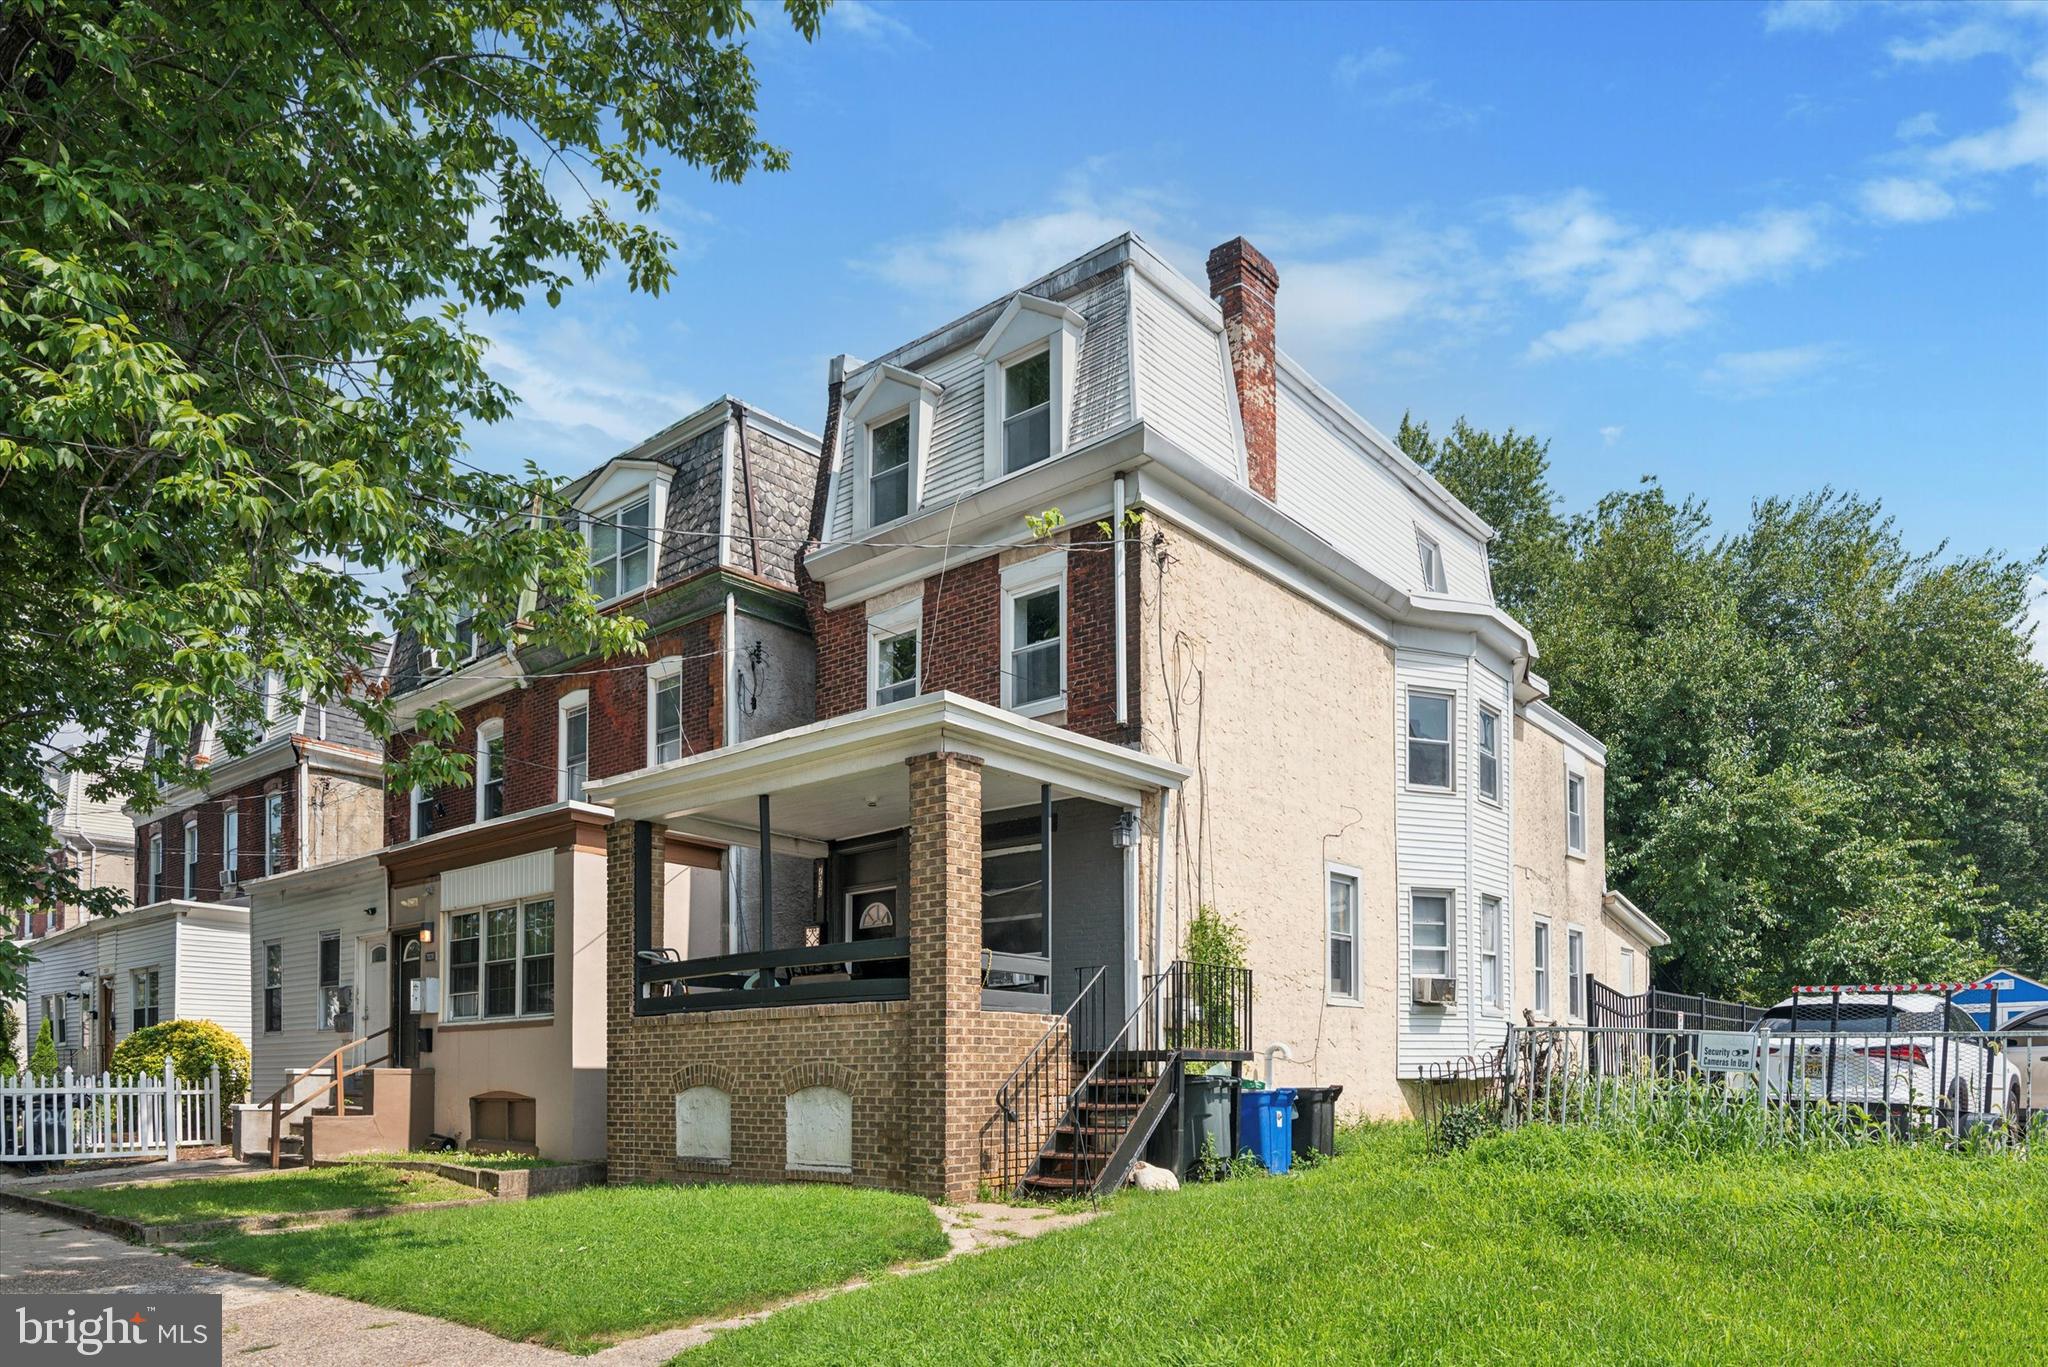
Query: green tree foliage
(42, 1060)
(1827, 756)
(10, 1032)
(245, 247)
(195, 1048)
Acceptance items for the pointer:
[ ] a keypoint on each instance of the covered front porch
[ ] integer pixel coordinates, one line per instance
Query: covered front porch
(938, 880)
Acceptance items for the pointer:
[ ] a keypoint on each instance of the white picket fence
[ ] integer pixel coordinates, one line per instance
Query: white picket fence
(63, 1117)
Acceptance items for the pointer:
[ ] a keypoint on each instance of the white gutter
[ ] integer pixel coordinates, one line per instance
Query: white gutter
(732, 713)
(304, 772)
(1116, 531)
(1159, 882)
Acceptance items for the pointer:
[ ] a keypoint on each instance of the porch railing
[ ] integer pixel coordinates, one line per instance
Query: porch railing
(856, 971)
(335, 1086)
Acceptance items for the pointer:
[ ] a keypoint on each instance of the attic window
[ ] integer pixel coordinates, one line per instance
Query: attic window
(620, 556)
(1431, 558)
(1029, 357)
(889, 470)
(1027, 411)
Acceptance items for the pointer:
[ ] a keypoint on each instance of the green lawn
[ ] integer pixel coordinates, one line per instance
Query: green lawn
(1535, 1247)
(578, 1270)
(502, 1162)
(220, 1198)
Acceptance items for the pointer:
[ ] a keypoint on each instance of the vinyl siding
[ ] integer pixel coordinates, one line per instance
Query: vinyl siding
(1183, 391)
(123, 950)
(55, 970)
(213, 975)
(1346, 494)
(296, 920)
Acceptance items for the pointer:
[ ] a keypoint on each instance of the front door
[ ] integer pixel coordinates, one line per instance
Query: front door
(106, 1025)
(405, 1032)
(375, 958)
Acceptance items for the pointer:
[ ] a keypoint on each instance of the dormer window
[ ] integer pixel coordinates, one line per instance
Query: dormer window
(1027, 411)
(620, 557)
(1431, 558)
(889, 470)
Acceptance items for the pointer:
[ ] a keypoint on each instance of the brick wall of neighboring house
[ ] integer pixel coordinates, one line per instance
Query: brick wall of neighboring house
(962, 643)
(618, 725)
(921, 1074)
(209, 813)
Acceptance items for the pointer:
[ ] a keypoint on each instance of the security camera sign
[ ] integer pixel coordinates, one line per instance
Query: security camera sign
(1725, 1051)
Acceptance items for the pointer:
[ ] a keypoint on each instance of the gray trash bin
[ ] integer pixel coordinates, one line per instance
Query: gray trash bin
(1212, 1099)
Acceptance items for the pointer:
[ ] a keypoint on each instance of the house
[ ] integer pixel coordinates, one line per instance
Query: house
(2018, 995)
(468, 955)
(1043, 744)
(94, 837)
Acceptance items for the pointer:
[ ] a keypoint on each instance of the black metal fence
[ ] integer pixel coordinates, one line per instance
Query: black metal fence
(1660, 1010)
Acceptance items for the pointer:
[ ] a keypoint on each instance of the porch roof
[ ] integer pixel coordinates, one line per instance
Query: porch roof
(844, 777)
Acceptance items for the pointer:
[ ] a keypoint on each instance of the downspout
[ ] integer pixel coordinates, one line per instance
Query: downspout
(303, 776)
(731, 657)
(736, 935)
(739, 416)
(1116, 528)
(1159, 882)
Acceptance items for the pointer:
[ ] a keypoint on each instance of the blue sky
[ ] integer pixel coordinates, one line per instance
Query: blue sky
(1749, 249)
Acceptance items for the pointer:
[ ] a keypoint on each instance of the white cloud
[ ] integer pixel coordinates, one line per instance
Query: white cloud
(871, 23)
(1925, 124)
(1748, 374)
(1354, 67)
(1812, 16)
(1371, 77)
(1610, 434)
(584, 394)
(2016, 145)
(1634, 285)
(1961, 43)
(1897, 199)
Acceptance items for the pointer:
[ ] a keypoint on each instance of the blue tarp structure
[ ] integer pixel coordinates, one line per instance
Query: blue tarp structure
(2017, 995)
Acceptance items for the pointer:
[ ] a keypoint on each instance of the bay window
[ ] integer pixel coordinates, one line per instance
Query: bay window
(1429, 740)
(1429, 934)
(501, 962)
(1489, 754)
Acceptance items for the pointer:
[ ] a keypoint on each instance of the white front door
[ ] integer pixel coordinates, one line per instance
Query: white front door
(373, 1003)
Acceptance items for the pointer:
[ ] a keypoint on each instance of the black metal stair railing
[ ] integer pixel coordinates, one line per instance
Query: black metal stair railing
(1038, 1091)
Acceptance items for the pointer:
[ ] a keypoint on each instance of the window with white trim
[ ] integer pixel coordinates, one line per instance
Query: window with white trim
(1034, 632)
(145, 1001)
(273, 695)
(1027, 411)
(572, 745)
(1429, 739)
(191, 857)
(273, 988)
(1430, 557)
(888, 470)
(1575, 971)
(422, 811)
(1539, 959)
(156, 865)
(1575, 812)
(273, 833)
(1489, 754)
(665, 711)
(895, 640)
(231, 844)
(501, 962)
(53, 1012)
(328, 1002)
(621, 555)
(490, 771)
(1429, 934)
(1342, 933)
(1628, 971)
(1489, 951)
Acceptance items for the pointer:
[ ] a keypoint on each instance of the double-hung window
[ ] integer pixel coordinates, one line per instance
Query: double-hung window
(53, 1012)
(1575, 970)
(1575, 812)
(156, 865)
(1539, 958)
(1429, 740)
(1034, 635)
(273, 695)
(893, 658)
(1027, 411)
(889, 470)
(620, 554)
(1342, 891)
(1489, 952)
(329, 1005)
(143, 986)
(191, 859)
(573, 741)
(1429, 934)
(665, 712)
(501, 962)
(1489, 754)
(490, 771)
(273, 988)
(273, 833)
(231, 845)
(422, 811)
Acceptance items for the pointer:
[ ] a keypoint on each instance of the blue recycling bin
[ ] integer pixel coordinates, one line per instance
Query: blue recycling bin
(1265, 1125)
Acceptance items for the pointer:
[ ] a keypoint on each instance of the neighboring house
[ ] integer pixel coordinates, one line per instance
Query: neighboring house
(485, 958)
(1286, 693)
(94, 837)
(99, 982)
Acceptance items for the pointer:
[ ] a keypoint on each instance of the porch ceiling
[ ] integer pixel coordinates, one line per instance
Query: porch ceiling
(845, 777)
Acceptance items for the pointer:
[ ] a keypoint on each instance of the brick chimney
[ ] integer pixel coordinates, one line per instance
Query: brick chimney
(1243, 282)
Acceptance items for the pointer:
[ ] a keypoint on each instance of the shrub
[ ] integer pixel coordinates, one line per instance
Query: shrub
(1459, 1125)
(10, 1031)
(194, 1048)
(42, 1061)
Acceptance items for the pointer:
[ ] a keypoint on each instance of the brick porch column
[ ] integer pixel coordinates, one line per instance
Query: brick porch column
(945, 1114)
(634, 1140)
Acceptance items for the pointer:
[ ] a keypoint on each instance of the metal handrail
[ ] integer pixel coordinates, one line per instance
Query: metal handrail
(275, 1101)
(1060, 1023)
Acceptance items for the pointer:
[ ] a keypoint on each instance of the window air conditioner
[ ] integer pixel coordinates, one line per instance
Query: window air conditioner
(1435, 991)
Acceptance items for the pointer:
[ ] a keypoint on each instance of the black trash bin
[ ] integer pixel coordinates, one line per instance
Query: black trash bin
(1315, 1120)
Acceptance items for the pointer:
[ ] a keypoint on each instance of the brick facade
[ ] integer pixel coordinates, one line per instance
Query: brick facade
(210, 816)
(921, 1074)
(1243, 283)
